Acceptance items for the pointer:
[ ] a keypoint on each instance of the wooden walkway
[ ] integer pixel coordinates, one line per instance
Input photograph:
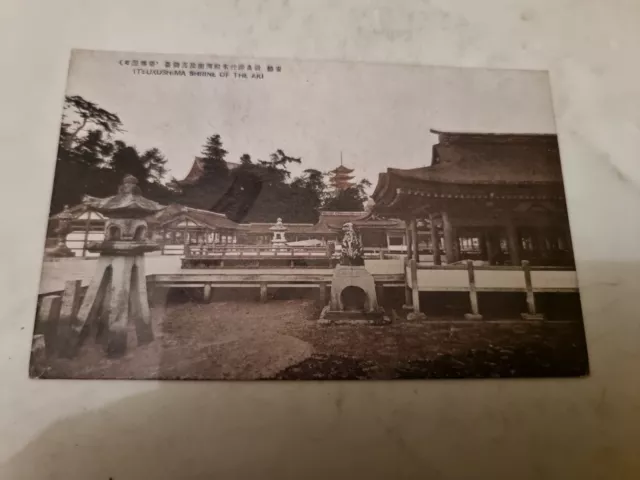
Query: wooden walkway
(166, 270)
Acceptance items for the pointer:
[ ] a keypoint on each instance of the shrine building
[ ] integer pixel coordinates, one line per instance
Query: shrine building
(494, 198)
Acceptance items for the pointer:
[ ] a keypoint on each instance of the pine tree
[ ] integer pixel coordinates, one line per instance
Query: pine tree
(213, 156)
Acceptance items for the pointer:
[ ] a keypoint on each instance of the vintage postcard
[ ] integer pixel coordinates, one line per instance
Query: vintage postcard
(246, 218)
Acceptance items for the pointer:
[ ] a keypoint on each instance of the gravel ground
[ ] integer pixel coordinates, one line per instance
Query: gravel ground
(245, 340)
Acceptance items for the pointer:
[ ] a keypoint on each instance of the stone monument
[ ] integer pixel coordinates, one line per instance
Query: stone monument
(117, 293)
(353, 288)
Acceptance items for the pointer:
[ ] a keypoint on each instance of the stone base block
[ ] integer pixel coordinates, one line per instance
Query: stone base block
(532, 316)
(416, 317)
(333, 317)
(472, 316)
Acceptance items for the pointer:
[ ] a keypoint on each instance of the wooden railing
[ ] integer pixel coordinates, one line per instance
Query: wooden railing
(242, 250)
(253, 251)
(471, 278)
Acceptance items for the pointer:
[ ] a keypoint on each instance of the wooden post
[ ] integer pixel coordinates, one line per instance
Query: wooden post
(69, 304)
(435, 241)
(164, 240)
(67, 338)
(514, 244)
(87, 225)
(263, 292)
(380, 293)
(206, 293)
(409, 253)
(414, 239)
(449, 250)
(415, 314)
(48, 316)
(489, 247)
(473, 294)
(322, 296)
(531, 299)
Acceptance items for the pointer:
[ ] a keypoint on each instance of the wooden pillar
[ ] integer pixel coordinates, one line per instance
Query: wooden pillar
(263, 292)
(68, 308)
(449, 248)
(414, 239)
(164, 240)
(380, 293)
(541, 246)
(409, 245)
(415, 313)
(489, 247)
(206, 293)
(514, 244)
(435, 241)
(87, 226)
(473, 294)
(48, 315)
(322, 296)
(531, 314)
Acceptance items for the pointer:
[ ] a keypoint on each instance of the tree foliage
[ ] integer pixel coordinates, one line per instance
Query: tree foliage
(89, 113)
(352, 199)
(213, 157)
(92, 161)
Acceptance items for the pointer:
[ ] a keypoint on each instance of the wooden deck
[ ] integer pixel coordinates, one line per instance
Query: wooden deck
(167, 268)
(282, 278)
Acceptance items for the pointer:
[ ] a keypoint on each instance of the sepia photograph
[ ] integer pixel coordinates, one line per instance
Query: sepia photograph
(217, 218)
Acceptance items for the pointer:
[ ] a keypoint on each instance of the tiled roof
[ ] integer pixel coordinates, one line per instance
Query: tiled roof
(474, 159)
(205, 217)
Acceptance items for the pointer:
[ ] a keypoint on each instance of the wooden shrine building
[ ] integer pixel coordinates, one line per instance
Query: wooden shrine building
(495, 198)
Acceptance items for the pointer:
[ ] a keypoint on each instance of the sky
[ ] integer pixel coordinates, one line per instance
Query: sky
(377, 115)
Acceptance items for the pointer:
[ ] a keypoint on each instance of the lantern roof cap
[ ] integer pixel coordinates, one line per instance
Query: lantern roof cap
(128, 202)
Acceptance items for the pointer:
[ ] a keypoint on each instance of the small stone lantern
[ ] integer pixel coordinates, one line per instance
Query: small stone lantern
(63, 229)
(278, 239)
(117, 293)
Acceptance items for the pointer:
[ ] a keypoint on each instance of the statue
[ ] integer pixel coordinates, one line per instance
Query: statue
(354, 297)
(351, 254)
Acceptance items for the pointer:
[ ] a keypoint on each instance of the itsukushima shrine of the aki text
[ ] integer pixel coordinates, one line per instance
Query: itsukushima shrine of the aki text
(487, 215)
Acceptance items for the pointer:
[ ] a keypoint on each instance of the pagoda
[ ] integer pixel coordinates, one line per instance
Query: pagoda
(340, 177)
(117, 293)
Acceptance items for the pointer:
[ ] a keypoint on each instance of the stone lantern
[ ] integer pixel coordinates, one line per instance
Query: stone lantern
(278, 239)
(117, 293)
(63, 229)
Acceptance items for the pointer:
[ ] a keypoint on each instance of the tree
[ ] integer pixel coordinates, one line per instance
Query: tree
(312, 186)
(92, 149)
(155, 165)
(245, 159)
(348, 200)
(276, 169)
(213, 156)
(89, 113)
(126, 161)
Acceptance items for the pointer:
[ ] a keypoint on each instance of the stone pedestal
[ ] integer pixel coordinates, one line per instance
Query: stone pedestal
(353, 298)
(117, 294)
(116, 297)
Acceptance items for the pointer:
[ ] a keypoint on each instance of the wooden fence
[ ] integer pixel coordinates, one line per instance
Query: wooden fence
(473, 279)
